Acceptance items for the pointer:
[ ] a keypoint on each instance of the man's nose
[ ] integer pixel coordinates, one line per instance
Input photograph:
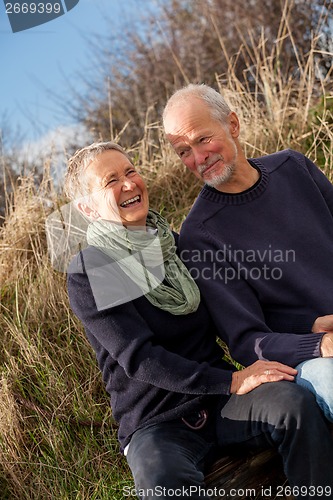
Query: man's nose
(200, 155)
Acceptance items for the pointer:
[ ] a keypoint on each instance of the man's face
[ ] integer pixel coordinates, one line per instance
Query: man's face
(118, 192)
(204, 145)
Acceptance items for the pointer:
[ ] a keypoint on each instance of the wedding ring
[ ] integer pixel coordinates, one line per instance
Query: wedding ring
(267, 372)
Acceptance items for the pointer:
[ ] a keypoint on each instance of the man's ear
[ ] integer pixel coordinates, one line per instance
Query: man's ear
(87, 211)
(234, 126)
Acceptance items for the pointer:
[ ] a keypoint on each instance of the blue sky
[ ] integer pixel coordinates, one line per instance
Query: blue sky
(41, 60)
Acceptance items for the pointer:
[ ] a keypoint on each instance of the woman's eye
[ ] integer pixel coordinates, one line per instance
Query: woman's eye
(111, 182)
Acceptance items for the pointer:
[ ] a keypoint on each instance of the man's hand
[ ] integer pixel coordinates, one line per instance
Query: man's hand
(323, 324)
(326, 345)
(258, 373)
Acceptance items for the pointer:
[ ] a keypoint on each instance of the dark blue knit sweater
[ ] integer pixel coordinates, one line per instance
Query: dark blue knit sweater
(156, 366)
(263, 259)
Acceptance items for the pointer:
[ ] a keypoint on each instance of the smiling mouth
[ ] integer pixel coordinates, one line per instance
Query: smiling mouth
(131, 202)
(209, 168)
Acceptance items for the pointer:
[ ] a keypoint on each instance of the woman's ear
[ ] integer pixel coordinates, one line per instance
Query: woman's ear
(87, 211)
(234, 126)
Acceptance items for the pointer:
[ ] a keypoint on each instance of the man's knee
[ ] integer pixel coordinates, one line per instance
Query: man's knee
(317, 374)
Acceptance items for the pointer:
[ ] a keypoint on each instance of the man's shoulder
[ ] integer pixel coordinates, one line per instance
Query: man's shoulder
(275, 160)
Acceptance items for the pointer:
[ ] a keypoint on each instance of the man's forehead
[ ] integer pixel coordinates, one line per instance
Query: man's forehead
(179, 140)
(188, 130)
(177, 106)
(187, 115)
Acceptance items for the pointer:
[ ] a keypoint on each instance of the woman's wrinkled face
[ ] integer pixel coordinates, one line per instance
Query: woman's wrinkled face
(117, 191)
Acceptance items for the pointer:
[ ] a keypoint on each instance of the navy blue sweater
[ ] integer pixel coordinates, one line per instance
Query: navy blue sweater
(156, 366)
(263, 259)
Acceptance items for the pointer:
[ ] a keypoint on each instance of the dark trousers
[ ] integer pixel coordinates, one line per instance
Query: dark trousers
(169, 460)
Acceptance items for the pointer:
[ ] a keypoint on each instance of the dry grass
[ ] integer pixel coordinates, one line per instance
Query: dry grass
(56, 435)
(57, 438)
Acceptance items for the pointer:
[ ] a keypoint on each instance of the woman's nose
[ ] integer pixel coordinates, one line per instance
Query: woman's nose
(128, 185)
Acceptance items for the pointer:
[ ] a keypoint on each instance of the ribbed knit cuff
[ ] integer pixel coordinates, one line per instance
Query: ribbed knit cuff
(309, 347)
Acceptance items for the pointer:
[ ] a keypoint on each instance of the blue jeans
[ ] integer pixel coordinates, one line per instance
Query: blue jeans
(317, 376)
(169, 460)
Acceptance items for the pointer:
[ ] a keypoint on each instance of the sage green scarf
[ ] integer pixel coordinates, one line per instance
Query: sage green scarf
(132, 247)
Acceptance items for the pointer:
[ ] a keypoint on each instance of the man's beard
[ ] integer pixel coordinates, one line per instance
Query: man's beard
(223, 177)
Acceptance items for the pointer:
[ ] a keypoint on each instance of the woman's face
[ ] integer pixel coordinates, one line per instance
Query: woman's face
(118, 192)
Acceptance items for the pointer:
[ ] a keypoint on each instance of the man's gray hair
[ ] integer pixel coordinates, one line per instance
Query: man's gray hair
(214, 100)
(76, 185)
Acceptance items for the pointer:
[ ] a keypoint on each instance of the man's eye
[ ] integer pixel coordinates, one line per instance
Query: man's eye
(204, 139)
(131, 173)
(183, 153)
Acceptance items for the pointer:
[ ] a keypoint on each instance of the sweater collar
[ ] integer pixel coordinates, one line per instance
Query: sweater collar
(212, 194)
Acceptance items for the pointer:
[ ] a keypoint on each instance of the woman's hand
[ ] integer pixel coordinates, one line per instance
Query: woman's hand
(258, 373)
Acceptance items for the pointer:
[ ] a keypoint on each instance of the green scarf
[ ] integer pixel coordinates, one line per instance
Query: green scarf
(132, 247)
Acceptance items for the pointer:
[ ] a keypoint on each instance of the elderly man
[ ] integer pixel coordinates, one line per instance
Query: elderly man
(258, 240)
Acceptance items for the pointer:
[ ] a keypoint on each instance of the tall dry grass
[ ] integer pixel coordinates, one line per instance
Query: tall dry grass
(57, 438)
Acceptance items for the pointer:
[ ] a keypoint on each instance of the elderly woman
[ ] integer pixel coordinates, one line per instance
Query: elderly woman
(176, 401)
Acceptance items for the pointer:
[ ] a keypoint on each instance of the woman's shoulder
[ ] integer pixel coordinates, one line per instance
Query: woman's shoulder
(87, 259)
(95, 273)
